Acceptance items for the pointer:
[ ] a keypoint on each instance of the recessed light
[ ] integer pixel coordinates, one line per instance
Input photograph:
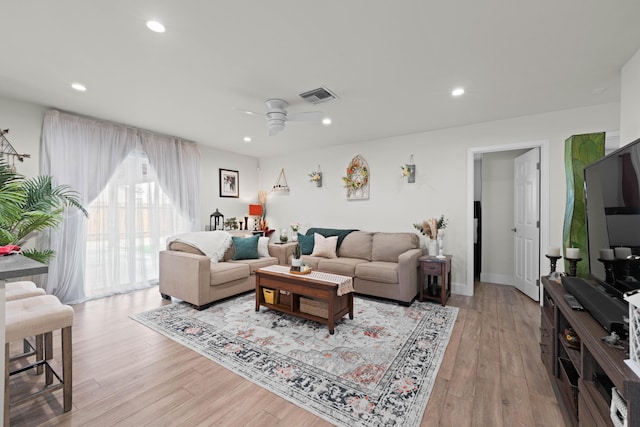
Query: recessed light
(457, 91)
(326, 121)
(247, 139)
(155, 26)
(79, 87)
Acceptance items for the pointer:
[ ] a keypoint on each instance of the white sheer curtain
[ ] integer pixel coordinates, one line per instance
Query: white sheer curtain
(128, 226)
(82, 153)
(85, 154)
(179, 163)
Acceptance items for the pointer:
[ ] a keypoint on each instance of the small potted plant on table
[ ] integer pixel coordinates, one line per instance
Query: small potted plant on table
(296, 262)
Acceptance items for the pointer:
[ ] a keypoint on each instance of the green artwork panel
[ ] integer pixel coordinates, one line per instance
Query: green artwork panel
(579, 152)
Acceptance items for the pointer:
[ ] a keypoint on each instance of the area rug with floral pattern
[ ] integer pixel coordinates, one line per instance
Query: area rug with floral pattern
(376, 370)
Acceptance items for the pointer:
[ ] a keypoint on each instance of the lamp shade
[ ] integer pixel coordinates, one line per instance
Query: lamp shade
(255, 210)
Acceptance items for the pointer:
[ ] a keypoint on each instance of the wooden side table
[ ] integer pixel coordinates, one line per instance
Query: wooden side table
(431, 267)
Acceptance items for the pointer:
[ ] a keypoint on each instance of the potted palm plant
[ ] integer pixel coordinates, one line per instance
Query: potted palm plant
(29, 206)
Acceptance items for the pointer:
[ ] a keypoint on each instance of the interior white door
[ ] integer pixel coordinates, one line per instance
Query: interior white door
(527, 223)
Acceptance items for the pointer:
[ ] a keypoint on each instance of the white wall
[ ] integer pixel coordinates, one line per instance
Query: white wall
(394, 205)
(440, 187)
(477, 179)
(498, 217)
(211, 161)
(630, 101)
(24, 121)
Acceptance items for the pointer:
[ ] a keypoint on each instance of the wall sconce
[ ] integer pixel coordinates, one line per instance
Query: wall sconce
(255, 211)
(7, 150)
(218, 222)
(409, 171)
(316, 176)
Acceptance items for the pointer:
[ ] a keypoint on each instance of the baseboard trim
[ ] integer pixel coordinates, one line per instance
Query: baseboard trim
(461, 289)
(498, 279)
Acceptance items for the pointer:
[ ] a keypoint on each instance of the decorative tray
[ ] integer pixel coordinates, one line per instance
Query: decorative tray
(298, 271)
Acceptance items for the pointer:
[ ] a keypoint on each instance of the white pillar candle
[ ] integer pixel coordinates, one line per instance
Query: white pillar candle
(554, 252)
(606, 254)
(572, 253)
(622, 252)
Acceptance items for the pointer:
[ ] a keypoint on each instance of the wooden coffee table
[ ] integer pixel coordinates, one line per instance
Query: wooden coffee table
(277, 278)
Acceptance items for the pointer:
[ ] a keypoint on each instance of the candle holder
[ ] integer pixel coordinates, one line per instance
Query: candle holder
(608, 269)
(634, 267)
(552, 262)
(623, 267)
(573, 266)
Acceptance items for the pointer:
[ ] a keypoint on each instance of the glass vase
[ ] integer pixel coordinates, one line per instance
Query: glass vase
(441, 244)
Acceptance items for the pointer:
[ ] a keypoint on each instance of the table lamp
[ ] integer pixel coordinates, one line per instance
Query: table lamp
(255, 210)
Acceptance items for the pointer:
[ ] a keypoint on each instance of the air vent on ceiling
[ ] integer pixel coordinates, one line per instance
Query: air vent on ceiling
(316, 96)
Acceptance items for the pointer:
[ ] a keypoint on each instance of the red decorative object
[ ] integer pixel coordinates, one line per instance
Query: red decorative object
(9, 249)
(255, 210)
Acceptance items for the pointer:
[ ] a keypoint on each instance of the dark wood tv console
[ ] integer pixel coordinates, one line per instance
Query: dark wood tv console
(580, 374)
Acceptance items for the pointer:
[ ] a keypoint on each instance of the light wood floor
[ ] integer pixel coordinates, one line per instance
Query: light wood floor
(124, 374)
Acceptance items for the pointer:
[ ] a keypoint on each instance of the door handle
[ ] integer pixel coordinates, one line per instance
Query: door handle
(513, 229)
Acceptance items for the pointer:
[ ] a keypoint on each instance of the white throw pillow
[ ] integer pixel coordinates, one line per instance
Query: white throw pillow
(324, 246)
(263, 247)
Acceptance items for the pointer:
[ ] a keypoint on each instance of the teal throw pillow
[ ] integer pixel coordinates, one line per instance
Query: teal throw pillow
(246, 247)
(306, 243)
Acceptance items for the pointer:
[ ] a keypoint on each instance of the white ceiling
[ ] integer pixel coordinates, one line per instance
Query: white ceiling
(392, 63)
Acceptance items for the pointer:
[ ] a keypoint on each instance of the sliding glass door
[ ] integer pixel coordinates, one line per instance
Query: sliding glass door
(128, 225)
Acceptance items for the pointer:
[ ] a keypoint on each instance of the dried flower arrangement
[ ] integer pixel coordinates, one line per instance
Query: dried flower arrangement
(430, 227)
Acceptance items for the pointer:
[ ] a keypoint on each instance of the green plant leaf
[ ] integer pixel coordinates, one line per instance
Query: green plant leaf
(31, 205)
(40, 256)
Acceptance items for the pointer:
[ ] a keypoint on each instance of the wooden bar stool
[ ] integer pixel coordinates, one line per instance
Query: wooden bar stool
(37, 316)
(20, 290)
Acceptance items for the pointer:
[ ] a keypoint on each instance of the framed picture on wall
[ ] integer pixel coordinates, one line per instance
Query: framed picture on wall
(229, 183)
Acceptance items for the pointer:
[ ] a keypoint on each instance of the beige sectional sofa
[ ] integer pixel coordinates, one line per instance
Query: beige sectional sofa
(382, 264)
(187, 273)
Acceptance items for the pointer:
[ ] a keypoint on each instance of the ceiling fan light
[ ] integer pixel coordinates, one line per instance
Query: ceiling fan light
(156, 27)
(79, 87)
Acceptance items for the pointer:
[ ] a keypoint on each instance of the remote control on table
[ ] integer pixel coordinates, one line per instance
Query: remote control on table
(573, 302)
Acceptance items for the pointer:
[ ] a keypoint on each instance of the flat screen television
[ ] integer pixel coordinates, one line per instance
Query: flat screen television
(612, 198)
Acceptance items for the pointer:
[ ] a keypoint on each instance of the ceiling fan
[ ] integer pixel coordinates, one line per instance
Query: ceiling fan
(277, 116)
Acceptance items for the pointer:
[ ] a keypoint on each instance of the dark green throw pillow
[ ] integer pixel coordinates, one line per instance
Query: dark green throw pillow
(306, 243)
(246, 247)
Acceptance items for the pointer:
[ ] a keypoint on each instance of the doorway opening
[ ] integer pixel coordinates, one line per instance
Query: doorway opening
(472, 177)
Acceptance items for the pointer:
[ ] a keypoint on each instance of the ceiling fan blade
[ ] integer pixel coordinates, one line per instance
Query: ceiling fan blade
(251, 113)
(307, 116)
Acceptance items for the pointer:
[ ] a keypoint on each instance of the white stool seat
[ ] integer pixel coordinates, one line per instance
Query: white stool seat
(22, 289)
(40, 315)
(34, 316)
